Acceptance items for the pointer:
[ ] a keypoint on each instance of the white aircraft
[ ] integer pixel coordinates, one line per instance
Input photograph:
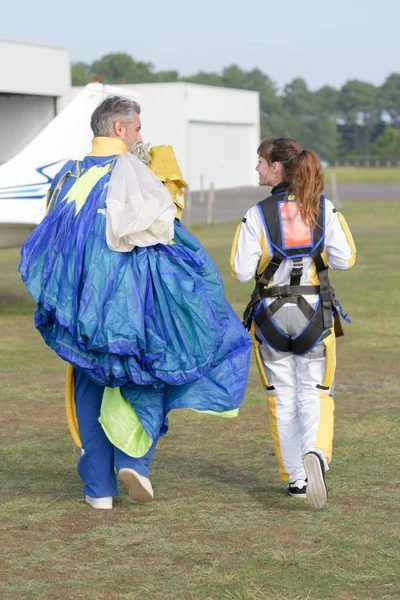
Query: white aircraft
(25, 179)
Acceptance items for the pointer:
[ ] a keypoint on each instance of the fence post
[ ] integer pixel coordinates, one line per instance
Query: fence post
(334, 190)
(188, 207)
(201, 198)
(210, 204)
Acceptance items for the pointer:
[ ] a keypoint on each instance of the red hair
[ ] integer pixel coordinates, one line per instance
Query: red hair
(301, 171)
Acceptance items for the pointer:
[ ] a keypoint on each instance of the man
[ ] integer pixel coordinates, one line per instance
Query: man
(139, 313)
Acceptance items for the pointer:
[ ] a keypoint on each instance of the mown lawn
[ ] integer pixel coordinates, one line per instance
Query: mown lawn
(365, 174)
(221, 526)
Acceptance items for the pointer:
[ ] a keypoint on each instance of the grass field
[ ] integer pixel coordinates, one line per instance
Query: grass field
(220, 527)
(365, 174)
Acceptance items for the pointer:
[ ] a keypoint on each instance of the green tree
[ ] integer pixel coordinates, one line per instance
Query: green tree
(321, 135)
(165, 76)
(358, 102)
(388, 144)
(298, 100)
(81, 73)
(326, 99)
(389, 98)
(329, 121)
(270, 103)
(234, 77)
(204, 78)
(122, 68)
(310, 117)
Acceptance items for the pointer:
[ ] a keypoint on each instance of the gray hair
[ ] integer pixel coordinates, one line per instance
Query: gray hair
(110, 110)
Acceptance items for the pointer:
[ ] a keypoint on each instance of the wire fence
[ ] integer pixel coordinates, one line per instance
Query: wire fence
(365, 163)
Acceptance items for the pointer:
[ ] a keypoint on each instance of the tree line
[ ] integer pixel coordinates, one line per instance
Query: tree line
(359, 122)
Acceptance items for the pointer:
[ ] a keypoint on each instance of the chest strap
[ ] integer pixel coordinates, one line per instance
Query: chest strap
(285, 291)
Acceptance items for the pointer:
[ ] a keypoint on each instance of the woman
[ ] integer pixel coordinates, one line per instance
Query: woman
(288, 241)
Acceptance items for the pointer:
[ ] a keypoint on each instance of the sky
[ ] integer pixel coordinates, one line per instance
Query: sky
(326, 43)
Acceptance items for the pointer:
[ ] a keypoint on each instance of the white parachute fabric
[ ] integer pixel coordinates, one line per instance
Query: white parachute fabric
(139, 209)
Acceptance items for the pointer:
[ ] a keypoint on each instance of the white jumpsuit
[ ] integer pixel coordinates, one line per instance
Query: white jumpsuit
(301, 414)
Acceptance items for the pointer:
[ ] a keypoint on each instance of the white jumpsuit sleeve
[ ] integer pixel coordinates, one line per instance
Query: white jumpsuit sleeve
(247, 249)
(339, 243)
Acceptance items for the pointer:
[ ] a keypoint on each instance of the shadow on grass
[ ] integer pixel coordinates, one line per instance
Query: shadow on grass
(57, 481)
(229, 477)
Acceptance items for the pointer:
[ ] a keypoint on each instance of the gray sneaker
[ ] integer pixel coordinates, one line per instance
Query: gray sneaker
(317, 493)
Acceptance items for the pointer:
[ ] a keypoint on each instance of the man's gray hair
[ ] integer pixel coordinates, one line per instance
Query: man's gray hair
(110, 110)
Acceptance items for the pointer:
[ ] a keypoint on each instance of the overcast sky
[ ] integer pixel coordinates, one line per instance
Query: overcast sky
(324, 42)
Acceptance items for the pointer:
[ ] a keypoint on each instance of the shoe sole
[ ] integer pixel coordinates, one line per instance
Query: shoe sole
(316, 492)
(137, 491)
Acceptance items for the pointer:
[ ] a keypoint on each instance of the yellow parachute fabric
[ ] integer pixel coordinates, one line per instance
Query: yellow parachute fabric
(164, 165)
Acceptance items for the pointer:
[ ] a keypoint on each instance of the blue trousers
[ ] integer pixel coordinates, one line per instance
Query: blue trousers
(99, 457)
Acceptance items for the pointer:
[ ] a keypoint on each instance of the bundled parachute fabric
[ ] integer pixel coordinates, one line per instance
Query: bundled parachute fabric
(139, 210)
(153, 322)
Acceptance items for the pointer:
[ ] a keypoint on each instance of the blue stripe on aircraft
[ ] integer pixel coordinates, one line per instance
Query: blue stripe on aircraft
(23, 197)
(40, 171)
(24, 191)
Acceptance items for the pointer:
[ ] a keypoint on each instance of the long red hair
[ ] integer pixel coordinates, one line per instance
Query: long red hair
(301, 171)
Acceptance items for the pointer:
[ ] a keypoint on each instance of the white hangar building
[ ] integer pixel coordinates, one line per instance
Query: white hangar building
(33, 83)
(44, 122)
(214, 131)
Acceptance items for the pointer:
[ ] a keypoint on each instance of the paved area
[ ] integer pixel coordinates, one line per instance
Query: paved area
(232, 204)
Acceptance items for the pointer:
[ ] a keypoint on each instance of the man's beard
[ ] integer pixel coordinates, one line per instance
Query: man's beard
(141, 151)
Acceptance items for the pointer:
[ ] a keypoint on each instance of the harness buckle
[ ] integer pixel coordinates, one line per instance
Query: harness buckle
(284, 291)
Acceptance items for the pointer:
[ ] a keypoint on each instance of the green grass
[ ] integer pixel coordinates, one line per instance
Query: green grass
(220, 527)
(364, 174)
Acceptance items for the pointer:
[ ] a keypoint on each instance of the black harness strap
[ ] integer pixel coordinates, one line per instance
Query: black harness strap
(325, 288)
(297, 271)
(280, 341)
(261, 282)
(262, 319)
(285, 291)
(313, 331)
(272, 267)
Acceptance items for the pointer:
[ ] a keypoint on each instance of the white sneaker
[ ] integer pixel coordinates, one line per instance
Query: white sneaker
(317, 493)
(140, 488)
(101, 503)
(297, 489)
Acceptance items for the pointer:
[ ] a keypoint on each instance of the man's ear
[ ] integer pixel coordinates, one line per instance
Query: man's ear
(118, 128)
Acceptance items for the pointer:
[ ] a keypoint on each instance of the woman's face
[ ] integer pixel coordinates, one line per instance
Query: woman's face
(268, 173)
